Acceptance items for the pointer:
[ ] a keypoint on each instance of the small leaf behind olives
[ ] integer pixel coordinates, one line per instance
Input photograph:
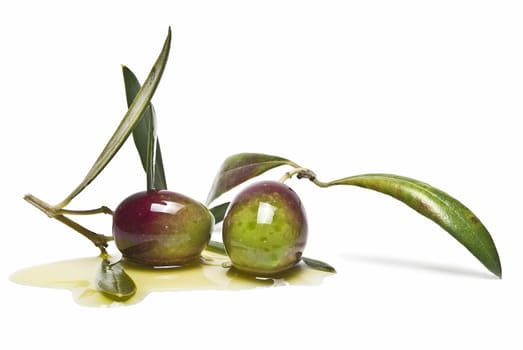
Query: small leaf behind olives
(216, 247)
(241, 167)
(219, 212)
(114, 282)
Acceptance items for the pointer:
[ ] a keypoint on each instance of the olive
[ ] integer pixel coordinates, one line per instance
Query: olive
(161, 228)
(265, 229)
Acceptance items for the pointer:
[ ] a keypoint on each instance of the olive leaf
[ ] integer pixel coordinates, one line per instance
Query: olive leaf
(439, 207)
(318, 265)
(135, 111)
(219, 212)
(241, 167)
(152, 141)
(112, 281)
(216, 247)
(143, 133)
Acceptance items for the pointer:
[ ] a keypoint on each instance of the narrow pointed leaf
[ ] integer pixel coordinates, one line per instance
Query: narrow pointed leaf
(438, 206)
(150, 168)
(219, 212)
(114, 282)
(241, 167)
(318, 265)
(124, 129)
(141, 133)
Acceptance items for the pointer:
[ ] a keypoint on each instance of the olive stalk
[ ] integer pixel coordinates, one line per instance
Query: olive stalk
(97, 239)
(299, 172)
(102, 210)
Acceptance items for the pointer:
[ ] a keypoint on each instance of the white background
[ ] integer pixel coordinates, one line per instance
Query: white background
(430, 90)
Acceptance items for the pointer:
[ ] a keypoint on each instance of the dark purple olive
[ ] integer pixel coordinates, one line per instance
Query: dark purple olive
(161, 228)
(265, 229)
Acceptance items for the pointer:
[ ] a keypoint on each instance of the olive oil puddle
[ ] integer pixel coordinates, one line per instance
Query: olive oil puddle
(78, 276)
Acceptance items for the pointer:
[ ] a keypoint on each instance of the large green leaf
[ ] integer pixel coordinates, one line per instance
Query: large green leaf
(439, 207)
(142, 134)
(112, 281)
(128, 123)
(241, 167)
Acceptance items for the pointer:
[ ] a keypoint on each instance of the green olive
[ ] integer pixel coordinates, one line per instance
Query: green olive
(265, 229)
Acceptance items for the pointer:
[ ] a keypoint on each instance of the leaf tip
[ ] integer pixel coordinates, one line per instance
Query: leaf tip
(497, 271)
(169, 34)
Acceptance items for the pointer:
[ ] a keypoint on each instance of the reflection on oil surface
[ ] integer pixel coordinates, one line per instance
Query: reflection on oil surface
(78, 276)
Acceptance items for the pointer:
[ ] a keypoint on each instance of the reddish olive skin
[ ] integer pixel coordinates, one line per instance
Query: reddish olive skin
(161, 228)
(265, 229)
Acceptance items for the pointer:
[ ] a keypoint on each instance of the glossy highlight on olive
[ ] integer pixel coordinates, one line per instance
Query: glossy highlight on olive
(265, 229)
(161, 228)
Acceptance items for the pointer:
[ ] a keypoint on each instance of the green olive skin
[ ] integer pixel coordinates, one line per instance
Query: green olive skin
(161, 228)
(265, 229)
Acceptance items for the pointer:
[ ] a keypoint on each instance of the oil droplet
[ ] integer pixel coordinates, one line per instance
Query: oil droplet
(78, 276)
